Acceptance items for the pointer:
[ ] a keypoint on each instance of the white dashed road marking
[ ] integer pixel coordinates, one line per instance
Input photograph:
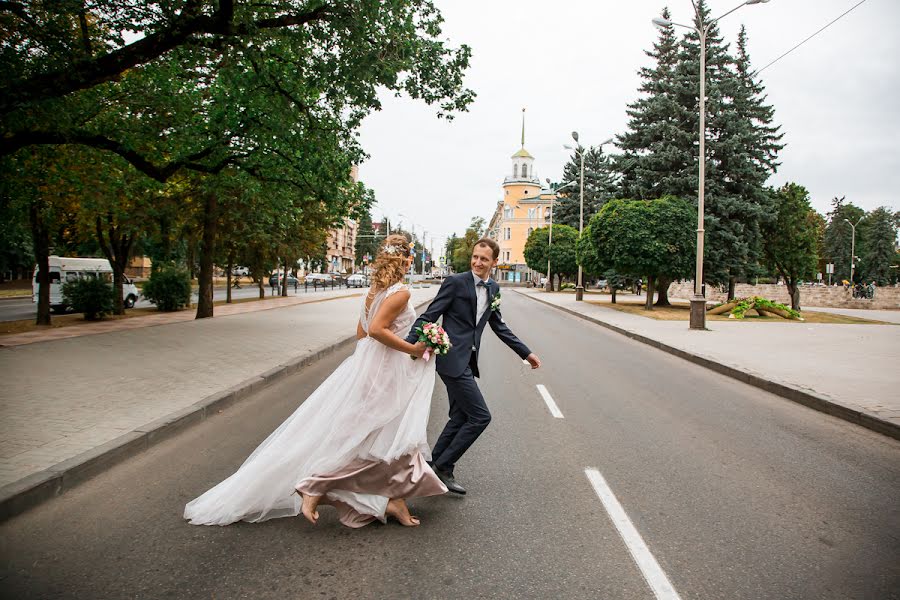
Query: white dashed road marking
(554, 410)
(653, 573)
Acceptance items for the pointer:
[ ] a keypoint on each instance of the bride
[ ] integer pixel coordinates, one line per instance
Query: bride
(358, 443)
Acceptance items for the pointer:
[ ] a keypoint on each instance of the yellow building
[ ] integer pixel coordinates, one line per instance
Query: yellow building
(525, 207)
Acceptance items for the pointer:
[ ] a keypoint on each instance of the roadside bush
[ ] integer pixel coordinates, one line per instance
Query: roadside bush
(169, 288)
(92, 296)
(567, 286)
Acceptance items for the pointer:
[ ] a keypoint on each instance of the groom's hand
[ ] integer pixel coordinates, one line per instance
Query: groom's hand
(533, 360)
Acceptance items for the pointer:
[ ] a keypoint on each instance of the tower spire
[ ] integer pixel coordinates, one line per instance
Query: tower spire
(523, 128)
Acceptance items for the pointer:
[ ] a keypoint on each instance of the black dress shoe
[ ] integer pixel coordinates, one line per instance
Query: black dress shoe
(448, 480)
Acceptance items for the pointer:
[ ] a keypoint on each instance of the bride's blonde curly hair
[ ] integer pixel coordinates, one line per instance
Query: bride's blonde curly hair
(391, 262)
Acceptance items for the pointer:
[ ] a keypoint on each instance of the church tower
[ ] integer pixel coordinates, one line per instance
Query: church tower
(523, 182)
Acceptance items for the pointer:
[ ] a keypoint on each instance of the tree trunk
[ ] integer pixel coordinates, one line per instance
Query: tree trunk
(229, 268)
(207, 251)
(284, 279)
(117, 249)
(262, 289)
(40, 237)
(662, 285)
(649, 303)
(613, 291)
(794, 291)
(732, 284)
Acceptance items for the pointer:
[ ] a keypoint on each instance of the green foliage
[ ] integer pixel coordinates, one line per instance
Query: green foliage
(586, 254)
(877, 254)
(745, 304)
(92, 296)
(599, 186)
(462, 251)
(791, 240)
(567, 286)
(646, 237)
(562, 252)
(839, 236)
(169, 288)
(659, 155)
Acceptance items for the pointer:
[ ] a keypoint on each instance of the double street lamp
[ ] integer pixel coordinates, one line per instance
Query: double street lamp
(579, 151)
(853, 247)
(698, 301)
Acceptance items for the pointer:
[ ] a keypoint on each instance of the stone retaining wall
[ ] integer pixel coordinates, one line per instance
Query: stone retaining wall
(832, 297)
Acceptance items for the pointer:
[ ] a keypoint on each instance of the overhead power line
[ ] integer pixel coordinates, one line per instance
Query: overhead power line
(810, 37)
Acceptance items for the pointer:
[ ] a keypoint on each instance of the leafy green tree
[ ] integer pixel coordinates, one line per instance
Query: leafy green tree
(562, 253)
(16, 249)
(452, 243)
(63, 60)
(879, 230)
(367, 242)
(839, 234)
(462, 253)
(791, 239)
(651, 237)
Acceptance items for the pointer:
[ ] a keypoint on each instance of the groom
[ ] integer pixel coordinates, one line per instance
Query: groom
(467, 301)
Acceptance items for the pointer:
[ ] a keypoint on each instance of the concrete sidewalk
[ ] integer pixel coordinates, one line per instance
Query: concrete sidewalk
(69, 407)
(849, 371)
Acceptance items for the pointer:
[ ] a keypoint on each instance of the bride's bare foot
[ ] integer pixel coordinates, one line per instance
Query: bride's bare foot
(310, 503)
(397, 508)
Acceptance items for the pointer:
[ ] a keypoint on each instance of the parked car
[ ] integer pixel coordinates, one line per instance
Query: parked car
(241, 271)
(318, 279)
(357, 280)
(276, 280)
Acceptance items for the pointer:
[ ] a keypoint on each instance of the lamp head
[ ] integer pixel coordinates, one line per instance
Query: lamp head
(661, 23)
(575, 135)
(609, 141)
(756, 1)
(568, 147)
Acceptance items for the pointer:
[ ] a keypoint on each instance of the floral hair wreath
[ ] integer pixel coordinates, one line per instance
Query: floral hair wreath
(393, 249)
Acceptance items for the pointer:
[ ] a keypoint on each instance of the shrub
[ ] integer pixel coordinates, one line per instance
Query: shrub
(567, 286)
(169, 288)
(92, 296)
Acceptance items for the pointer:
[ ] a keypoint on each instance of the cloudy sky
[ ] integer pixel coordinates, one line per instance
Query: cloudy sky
(573, 65)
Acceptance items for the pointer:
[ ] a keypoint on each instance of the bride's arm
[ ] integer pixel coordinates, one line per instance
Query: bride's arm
(379, 328)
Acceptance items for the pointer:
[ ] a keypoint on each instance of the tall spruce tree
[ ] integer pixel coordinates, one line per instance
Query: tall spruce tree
(658, 151)
(599, 187)
(839, 236)
(879, 230)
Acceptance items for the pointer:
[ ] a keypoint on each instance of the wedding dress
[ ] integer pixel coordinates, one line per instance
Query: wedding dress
(358, 440)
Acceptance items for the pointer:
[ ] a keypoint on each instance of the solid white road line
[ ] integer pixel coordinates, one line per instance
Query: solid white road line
(554, 410)
(653, 573)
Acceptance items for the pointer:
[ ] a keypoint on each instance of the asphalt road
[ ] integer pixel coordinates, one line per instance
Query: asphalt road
(736, 494)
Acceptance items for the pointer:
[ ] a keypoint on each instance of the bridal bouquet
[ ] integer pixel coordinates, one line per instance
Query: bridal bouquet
(436, 340)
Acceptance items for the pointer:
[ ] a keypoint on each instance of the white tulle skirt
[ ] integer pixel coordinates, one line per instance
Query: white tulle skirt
(358, 440)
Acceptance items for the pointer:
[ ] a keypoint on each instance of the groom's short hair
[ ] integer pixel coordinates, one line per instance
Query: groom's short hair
(494, 246)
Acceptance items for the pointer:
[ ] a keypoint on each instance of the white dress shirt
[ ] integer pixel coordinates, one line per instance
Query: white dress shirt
(481, 294)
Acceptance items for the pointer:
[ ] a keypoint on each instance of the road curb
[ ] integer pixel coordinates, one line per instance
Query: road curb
(801, 396)
(30, 491)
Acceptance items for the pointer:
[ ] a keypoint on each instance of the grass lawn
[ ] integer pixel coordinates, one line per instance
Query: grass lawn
(682, 312)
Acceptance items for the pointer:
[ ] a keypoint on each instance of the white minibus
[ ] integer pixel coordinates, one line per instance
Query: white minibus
(64, 269)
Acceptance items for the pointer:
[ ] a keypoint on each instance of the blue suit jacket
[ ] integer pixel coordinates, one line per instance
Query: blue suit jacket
(457, 303)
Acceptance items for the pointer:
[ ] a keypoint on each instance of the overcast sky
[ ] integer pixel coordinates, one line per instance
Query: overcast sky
(573, 65)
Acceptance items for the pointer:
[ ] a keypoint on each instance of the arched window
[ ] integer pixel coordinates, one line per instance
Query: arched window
(524, 171)
(515, 170)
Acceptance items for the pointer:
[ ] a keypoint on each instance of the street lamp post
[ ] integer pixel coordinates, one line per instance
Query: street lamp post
(853, 247)
(698, 301)
(579, 151)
